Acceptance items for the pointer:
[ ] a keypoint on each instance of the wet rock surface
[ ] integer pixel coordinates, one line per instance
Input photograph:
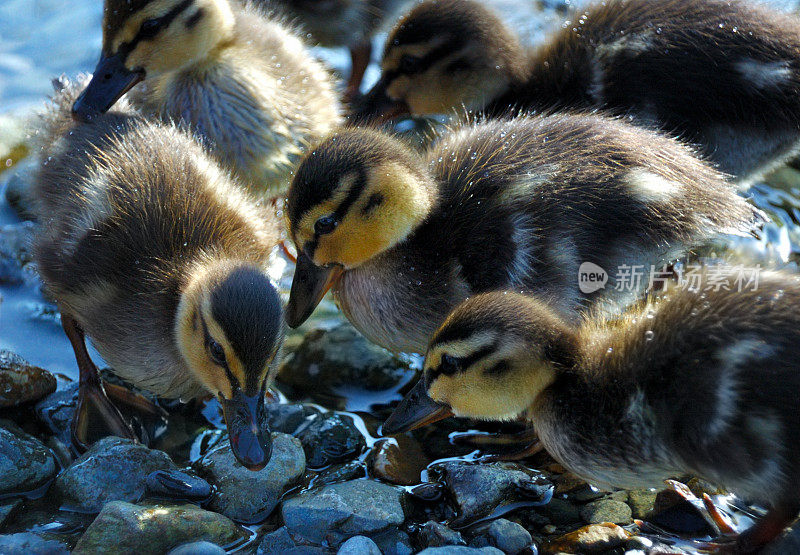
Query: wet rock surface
(248, 496)
(606, 510)
(330, 439)
(594, 538)
(359, 545)
(21, 382)
(461, 550)
(177, 484)
(25, 463)
(399, 460)
(57, 410)
(436, 534)
(113, 469)
(509, 537)
(327, 358)
(336, 512)
(478, 489)
(127, 528)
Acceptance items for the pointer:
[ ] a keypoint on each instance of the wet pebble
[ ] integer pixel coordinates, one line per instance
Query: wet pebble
(276, 542)
(25, 463)
(460, 550)
(343, 472)
(177, 484)
(606, 510)
(21, 382)
(197, 548)
(287, 418)
(435, 534)
(57, 410)
(594, 538)
(393, 541)
(330, 439)
(359, 545)
(114, 469)
(327, 358)
(127, 528)
(248, 496)
(507, 536)
(399, 460)
(27, 543)
(641, 501)
(478, 489)
(336, 512)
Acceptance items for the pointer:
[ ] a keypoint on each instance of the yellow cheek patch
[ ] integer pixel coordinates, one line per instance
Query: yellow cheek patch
(305, 227)
(361, 236)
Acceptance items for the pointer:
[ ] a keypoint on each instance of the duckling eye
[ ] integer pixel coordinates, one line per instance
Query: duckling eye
(449, 364)
(325, 225)
(149, 28)
(217, 352)
(410, 64)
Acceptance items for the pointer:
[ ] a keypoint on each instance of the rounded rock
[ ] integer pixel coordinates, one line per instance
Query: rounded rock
(330, 439)
(28, 543)
(122, 528)
(606, 510)
(399, 460)
(197, 548)
(250, 496)
(21, 382)
(359, 545)
(114, 469)
(336, 512)
(507, 536)
(25, 463)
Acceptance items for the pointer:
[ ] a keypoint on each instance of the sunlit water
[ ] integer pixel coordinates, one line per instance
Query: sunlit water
(41, 39)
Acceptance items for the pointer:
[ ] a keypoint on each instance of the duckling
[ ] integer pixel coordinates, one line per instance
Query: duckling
(723, 75)
(403, 237)
(156, 254)
(349, 23)
(702, 380)
(242, 82)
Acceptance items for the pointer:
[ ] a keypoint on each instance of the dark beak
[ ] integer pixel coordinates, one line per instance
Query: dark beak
(251, 441)
(309, 285)
(417, 409)
(111, 79)
(376, 107)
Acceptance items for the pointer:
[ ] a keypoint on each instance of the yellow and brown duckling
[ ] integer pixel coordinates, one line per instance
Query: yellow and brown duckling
(403, 237)
(155, 253)
(241, 81)
(701, 381)
(349, 23)
(724, 75)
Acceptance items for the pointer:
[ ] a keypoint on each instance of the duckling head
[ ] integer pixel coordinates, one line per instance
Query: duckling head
(489, 360)
(442, 56)
(354, 196)
(150, 37)
(229, 329)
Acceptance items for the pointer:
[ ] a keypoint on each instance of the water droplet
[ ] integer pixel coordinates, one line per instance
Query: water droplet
(649, 335)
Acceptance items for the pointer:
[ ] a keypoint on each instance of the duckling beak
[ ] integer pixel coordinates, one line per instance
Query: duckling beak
(111, 79)
(309, 285)
(251, 441)
(376, 107)
(416, 410)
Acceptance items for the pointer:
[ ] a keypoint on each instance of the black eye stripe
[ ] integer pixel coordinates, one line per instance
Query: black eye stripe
(352, 196)
(464, 362)
(207, 339)
(145, 34)
(430, 58)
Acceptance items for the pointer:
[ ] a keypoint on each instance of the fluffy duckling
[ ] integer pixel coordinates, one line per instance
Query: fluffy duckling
(156, 254)
(724, 75)
(701, 381)
(349, 23)
(242, 82)
(404, 237)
